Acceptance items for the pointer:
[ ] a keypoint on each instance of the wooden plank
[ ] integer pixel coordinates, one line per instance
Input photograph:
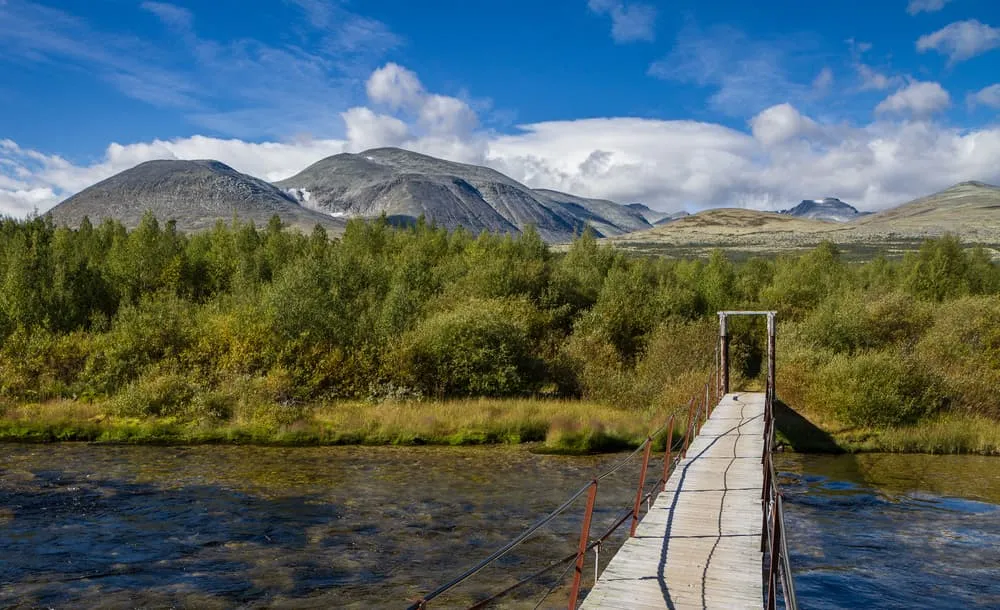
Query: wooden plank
(699, 544)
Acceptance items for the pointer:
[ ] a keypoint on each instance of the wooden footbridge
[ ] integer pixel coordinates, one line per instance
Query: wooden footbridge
(712, 535)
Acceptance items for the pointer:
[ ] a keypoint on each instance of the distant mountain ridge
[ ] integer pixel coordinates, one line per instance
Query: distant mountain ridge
(195, 194)
(404, 185)
(829, 209)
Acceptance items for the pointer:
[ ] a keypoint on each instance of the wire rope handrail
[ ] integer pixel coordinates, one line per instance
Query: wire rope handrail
(698, 411)
(773, 538)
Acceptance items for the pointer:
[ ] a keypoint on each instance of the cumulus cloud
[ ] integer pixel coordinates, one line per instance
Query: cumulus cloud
(961, 40)
(919, 98)
(925, 6)
(630, 21)
(781, 123)
(400, 89)
(783, 157)
(987, 96)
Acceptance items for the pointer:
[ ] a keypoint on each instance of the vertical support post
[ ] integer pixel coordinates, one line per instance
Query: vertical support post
(723, 355)
(770, 357)
(687, 433)
(642, 484)
(666, 459)
(772, 572)
(581, 552)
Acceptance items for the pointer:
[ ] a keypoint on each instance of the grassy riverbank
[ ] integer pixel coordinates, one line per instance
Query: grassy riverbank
(556, 426)
(948, 433)
(559, 426)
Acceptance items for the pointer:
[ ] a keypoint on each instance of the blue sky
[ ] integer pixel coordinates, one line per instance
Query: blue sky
(679, 104)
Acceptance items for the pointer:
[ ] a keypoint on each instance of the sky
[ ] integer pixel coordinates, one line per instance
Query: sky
(687, 104)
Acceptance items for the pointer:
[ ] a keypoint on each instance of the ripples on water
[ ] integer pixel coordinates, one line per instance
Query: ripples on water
(307, 527)
(891, 531)
(84, 525)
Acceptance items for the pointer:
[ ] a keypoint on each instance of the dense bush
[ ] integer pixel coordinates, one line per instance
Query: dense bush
(252, 323)
(876, 389)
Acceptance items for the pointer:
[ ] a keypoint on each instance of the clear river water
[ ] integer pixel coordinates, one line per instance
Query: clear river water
(224, 526)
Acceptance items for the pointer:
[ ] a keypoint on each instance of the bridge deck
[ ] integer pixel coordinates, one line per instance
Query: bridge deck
(699, 545)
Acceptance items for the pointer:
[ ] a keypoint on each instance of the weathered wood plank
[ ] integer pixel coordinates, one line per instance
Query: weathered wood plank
(699, 544)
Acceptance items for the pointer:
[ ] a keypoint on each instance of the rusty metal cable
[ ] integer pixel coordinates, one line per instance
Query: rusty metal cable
(541, 523)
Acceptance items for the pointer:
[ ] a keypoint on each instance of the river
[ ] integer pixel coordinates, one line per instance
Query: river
(218, 526)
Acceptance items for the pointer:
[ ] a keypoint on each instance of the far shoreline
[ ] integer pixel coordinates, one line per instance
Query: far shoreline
(547, 426)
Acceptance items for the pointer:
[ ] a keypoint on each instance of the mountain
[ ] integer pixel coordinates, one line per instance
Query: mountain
(194, 193)
(404, 185)
(671, 218)
(829, 209)
(969, 209)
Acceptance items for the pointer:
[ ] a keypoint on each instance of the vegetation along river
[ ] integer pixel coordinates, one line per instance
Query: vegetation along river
(217, 526)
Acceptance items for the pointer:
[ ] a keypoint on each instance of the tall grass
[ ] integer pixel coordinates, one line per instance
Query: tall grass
(558, 426)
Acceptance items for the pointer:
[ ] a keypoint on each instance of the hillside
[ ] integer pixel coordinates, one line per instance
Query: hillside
(725, 223)
(404, 185)
(194, 193)
(969, 209)
(829, 209)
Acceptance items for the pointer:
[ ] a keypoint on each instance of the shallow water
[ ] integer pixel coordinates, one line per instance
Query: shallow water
(218, 526)
(305, 527)
(893, 531)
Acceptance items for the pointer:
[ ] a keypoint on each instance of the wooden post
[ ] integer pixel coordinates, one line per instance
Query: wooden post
(770, 356)
(666, 460)
(723, 355)
(642, 483)
(581, 551)
(687, 434)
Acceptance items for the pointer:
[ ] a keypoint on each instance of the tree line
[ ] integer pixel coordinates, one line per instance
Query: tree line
(157, 322)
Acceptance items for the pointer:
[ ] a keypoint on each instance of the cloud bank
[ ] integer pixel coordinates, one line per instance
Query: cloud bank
(782, 156)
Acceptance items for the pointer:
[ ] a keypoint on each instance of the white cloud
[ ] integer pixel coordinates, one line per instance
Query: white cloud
(170, 14)
(748, 75)
(781, 123)
(987, 96)
(786, 156)
(823, 80)
(919, 98)
(961, 40)
(873, 79)
(395, 86)
(630, 21)
(366, 129)
(925, 6)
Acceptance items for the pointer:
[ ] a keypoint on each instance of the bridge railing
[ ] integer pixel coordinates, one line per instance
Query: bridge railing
(699, 409)
(773, 539)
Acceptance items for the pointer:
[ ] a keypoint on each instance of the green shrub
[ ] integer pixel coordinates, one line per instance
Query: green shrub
(480, 348)
(964, 346)
(876, 389)
(157, 393)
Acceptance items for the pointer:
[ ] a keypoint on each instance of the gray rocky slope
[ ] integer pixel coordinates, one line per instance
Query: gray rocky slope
(195, 194)
(829, 209)
(405, 185)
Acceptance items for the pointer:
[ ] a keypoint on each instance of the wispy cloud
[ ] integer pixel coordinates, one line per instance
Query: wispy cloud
(630, 21)
(240, 87)
(987, 96)
(925, 6)
(748, 75)
(961, 40)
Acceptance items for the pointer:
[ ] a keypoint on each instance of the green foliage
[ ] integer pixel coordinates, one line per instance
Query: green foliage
(249, 324)
(480, 348)
(876, 389)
